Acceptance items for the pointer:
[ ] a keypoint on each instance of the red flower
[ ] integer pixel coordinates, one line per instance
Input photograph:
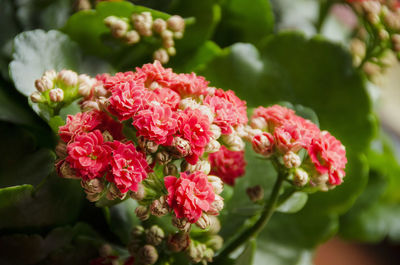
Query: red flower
(128, 167)
(88, 155)
(110, 82)
(274, 116)
(263, 144)
(190, 195)
(78, 124)
(189, 85)
(228, 165)
(168, 97)
(194, 126)
(155, 72)
(229, 110)
(328, 156)
(157, 123)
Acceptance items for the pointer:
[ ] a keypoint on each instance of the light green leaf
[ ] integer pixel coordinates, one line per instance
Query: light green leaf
(294, 204)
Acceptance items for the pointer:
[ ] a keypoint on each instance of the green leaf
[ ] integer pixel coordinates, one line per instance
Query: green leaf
(246, 257)
(294, 204)
(37, 51)
(242, 22)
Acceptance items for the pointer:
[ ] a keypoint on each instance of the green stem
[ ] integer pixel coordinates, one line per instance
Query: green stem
(252, 231)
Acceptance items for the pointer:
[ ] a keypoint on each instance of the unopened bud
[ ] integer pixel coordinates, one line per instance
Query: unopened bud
(371, 68)
(50, 74)
(216, 206)
(168, 43)
(105, 250)
(163, 157)
(188, 103)
(178, 35)
(196, 252)
(258, 123)
(67, 172)
(88, 105)
(250, 133)
(44, 83)
(93, 197)
(181, 223)
(180, 147)
(132, 37)
(148, 255)
(176, 23)
(255, 193)
(383, 34)
(36, 97)
(137, 231)
(93, 186)
(215, 225)
(171, 51)
(161, 55)
(167, 34)
(139, 194)
(178, 242)
(70, 78)
(142, 213)
(357, 47)
(119, 28)
(114, 193)
(56, 95)
(159, 207)
(208, 255)
(147, 145)
(109, 21)
(233, 142)
(217, 184)
(216, 131)
(392, 20)
(396, 42)
(212, 147)
(155, 235)
(300, 177)
(170, 170)
(263, 144)
(159, 25)
(207, 112)
(204, 221)
(291, 160)
(201, 165)
(215, 242)
(61, 149)
(107, 137)
(373, 18)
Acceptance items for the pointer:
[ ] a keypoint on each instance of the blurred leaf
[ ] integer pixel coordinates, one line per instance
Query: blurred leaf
(246, 257)
(294, 204)
(38, 51)
(242, 22)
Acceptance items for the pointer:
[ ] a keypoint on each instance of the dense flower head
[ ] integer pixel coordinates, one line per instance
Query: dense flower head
(189, 85)
(89, 155)
(275, 115)
(128, 166)
(79, 123)
(194, 127)
(227, 164)
(155, 72)
(189, 195)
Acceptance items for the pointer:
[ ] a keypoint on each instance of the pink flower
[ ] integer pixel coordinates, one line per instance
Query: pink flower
(128, 167)
(155, 72)
(328, 156)
(228, 165)
(194, 126)
(189, 85)
(168, 97)
(229, 110)
(274, 116)
(263, 144)
(190, 195)
(78, 124)
(110, 82)
(157, 123)
(88, 155)
(128, 98)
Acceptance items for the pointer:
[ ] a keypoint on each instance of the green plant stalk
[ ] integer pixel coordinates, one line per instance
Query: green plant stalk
(266, 214)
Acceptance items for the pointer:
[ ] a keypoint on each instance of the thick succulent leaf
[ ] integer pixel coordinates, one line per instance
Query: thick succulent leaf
(242, 22)
(275, 254)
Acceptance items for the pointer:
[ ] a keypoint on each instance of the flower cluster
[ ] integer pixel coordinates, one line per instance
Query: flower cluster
(143, 25)
(278, 133)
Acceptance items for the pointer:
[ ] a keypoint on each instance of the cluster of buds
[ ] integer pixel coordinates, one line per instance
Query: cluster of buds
(277, 133)
(107, 255)
(383, 20)
(56, 90)
(142, 25)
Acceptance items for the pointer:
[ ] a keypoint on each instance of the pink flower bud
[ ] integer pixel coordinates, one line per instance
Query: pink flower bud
(147, 145)
(176, 23)
(180, 147)
(181, 223)
(161, 55)
(233, 142)
(50, 74)
(93, 186)
(56, 95)
(204, 221)
(216, 131)
(201, 165)
(36, 97)
(216, 206)
(163, 157)
(89, 105)
(70, 78)
(263, 144)
(291, 160)
(109, 21)
(213, 146)
(300, 177)
(170, 170)
(132, 37)
(159, 25)
(217, 184)
(66, 171)
(258, 123)
(61, 149)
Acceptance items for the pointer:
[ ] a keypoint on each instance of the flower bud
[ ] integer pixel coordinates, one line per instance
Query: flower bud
(215, 225)
(143, 23)
(204, 221)
(217, 184)
(371, 68)
(180, 147)
(208, 255)
(132, 37)
(181, 223)
(137, 231)
(159, 207)
(109, 21)
(216, 131)
(215, 242)
(161, 55)
(70, 78)
(93, 197)
(263, 144)
(171, 51)
(114, 193)
(148, 255)
(147, 145)
(216, 206)
(188, 103)
(201, 165)
(159, 25)
(178, 35)
(134, 245)
(255, 193)
(36, 97)
(61, 149)
(142, 212)
(67, 172)
(196, 252)
(178, 242)
(300, 177)
(233, 142)
(50, 74)
(168, 43)
(163, 157)
(170, 170)
(212, 147)
(383, 34)
(139, 194)
(56, 95)
(88, 105)
(291, 160)
(392, 20)
(105, 250)
(44, 83)
(176, 23)
(373, 18)
(258, 123)
(251, 133)
(119, 28)
(95, 185)
(155, 235)
(84, 90)
(396, 42)
(371, 7)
